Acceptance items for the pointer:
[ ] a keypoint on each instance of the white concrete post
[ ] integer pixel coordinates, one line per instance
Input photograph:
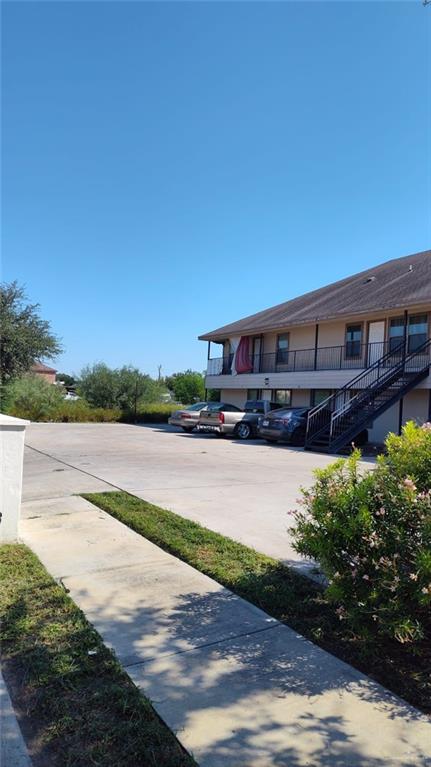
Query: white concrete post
(12, 432)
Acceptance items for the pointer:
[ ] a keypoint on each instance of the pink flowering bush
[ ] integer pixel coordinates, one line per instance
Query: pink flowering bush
(371, 533)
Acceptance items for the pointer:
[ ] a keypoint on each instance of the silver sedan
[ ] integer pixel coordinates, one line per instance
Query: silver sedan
(188, 418)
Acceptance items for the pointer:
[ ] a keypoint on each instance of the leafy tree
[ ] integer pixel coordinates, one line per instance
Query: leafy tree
(25, 336)
(98, 385)
(124, 387)
(33, 398)
(187, 387)
(66, 379)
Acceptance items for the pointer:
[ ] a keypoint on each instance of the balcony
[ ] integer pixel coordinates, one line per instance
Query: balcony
(350, 356)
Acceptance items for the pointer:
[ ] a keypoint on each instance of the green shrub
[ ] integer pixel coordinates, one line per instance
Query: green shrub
(157, 413)
(37, 400)
(32, 398)
(79, 411)
(371, 534)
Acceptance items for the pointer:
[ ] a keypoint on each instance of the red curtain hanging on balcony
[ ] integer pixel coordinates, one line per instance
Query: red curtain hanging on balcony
(243, 361)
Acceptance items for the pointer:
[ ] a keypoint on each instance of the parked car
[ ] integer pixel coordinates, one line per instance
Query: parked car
(187, 418)
(211, 419)
(288, 424)
(239, 422)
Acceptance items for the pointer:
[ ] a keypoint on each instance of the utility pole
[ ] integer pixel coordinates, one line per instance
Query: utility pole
(136, 401)
(159, 368)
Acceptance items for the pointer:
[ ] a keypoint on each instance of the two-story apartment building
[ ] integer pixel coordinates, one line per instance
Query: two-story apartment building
(372, 327)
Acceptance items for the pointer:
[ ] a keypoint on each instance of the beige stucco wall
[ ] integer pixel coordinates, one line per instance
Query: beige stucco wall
(415, 408)
(301, 397)
(234, 396)
(332, 334)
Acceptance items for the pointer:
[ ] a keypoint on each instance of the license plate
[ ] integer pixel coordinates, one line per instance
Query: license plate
(265, 423)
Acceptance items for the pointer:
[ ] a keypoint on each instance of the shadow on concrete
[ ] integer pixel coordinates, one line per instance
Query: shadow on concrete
(266, 698)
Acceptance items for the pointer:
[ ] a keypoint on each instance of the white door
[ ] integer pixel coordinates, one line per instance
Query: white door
(376, 341)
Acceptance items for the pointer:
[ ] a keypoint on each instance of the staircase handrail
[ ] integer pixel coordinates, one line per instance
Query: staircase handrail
(337, 414)
(377, 365)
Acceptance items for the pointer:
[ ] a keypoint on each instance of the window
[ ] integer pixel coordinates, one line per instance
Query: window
(396, 334)
(282, 356)
(417, 331)
(253, 393)
(353, 340)
(282, 396)
(318, 395)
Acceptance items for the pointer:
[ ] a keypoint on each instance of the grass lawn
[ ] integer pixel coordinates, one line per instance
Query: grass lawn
(78, 708)
(280, 591)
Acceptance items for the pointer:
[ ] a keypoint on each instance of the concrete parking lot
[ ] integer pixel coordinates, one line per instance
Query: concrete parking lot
(241, 489)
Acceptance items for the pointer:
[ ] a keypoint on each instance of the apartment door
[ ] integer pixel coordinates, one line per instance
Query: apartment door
(376, 340)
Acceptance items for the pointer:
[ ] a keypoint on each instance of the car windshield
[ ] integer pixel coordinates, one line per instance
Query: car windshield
(197, 406)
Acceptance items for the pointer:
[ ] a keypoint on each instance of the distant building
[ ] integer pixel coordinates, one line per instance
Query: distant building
(43, 371)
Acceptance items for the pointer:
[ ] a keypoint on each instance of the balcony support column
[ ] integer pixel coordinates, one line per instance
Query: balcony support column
(400, 415)
(316, 341)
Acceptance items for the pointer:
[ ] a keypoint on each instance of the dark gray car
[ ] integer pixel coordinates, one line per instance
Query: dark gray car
(288, 424)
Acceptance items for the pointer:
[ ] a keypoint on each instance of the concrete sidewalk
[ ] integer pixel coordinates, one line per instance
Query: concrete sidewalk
(238, 688)
(13, 751)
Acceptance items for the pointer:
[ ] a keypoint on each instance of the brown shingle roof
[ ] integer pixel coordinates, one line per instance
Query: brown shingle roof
(392, 285)
(39, 367)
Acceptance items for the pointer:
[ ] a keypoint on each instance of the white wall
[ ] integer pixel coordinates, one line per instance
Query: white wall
(12, 431)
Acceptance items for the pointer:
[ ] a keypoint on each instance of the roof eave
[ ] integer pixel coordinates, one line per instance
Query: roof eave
(223, 334)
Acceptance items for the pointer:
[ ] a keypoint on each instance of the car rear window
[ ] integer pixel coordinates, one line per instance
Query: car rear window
(197, 406)
(288, 412)
(254, 406)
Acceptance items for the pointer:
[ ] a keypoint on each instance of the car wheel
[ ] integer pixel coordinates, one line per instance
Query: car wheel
(187, 429)
(243, 431)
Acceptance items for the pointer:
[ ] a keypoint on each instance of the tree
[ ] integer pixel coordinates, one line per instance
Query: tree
(98, 384)
(124, 387)
(187, 387)
(66, 379)
(25, 336)
(32, 397)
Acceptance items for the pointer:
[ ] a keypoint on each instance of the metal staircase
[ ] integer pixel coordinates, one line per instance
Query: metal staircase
(336, 421)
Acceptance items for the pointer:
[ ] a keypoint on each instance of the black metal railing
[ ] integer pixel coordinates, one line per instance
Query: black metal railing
(369, 391)
(323, 358)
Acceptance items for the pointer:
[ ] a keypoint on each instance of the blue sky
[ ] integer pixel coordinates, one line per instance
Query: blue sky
(171, 167)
